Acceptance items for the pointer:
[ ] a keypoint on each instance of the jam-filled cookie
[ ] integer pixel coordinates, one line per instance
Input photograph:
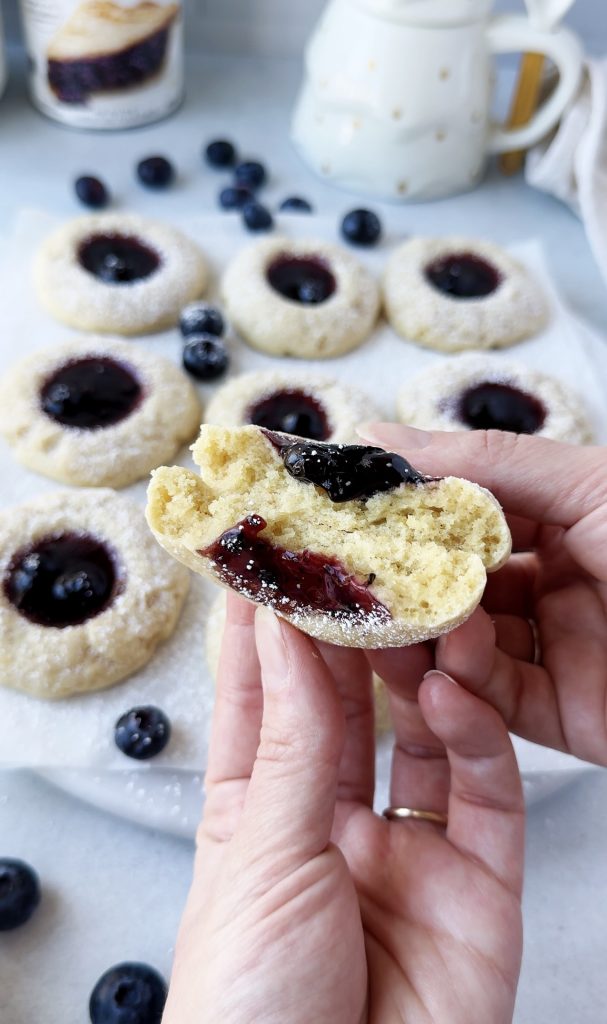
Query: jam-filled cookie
(96, 412)
(86, 595)
(214, 633)
(313, 407)
(305, 299)
(458, 293)
(350, 544)
(476, 392)
(118, 273)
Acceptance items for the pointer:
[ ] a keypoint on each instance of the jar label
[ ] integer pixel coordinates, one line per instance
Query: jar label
(105, 63)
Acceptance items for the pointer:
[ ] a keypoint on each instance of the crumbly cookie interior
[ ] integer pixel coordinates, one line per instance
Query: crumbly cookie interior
(427, 547)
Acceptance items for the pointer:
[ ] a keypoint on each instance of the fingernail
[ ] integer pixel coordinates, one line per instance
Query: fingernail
(443, 675)
(271, 650)
(394, 435)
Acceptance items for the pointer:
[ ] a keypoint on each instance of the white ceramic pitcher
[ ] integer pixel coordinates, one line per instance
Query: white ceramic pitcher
(396, 100)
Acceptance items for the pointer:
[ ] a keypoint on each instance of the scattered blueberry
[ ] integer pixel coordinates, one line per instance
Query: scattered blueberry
(19, 893)
(295, 204)
(128, 994)
(220, 154)
(201, 318)
(91, 192)
(234, 197)
(205, 357)
(155, 172)
(361, 227)
(142, 732)
(257, 217)
(251, 174)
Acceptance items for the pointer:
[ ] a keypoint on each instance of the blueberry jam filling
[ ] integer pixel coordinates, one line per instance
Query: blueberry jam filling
(288, 580)
(302, 279)
(345, 472)
(62, 580)
(117, 259)
(291, 412)
(491, 406)
(90, 393)
(462, 275)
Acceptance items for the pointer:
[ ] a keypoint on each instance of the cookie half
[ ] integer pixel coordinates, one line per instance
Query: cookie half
(118, 273)
(96, 412)
(86, 594)
(314, 407)
(214, 634)
(475, 392)
(459, 293)
(306, 299)
(350, 544)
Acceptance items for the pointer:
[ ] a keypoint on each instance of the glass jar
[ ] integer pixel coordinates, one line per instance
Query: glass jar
(104, 64)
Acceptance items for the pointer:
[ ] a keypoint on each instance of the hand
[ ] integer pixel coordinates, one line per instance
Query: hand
(308, 907)
(555, 498)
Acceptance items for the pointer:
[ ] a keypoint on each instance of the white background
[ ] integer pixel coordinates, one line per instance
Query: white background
(281, 26)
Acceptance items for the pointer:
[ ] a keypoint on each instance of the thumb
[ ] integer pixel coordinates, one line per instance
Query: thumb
(290, 803)
(547, 481)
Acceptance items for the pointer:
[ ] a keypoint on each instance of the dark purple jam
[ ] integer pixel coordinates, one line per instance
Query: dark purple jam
(291, 412)
(307, 280)
(62, 580)
(73, 81)
(462, 275)
(345, 472)
(117, 259)
(287, 580)
(91, 393)
(493, 406)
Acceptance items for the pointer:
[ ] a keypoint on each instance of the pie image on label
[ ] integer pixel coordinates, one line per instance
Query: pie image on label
(350, 544)
(104, 47)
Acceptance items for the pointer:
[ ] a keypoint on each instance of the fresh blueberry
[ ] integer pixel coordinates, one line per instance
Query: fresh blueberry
(251, 174)
(205, 357)
(200, 318)
(155, 172)
(257, 217)
(128, 994)
(142, 732)
(361, 227)
(19, 893)
(220, 154)
(295, 204)
(91, 192)
(234, 197)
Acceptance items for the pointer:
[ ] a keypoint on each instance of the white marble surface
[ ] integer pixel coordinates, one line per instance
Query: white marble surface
(113, 891)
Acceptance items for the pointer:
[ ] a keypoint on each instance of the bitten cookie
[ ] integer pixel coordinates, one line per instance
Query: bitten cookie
(118, 273)
(350, 544)
(214, 633)
(476, 392)
(96, 412)
(300, 298)
(460, 293)
(86, 594)
(313, 407)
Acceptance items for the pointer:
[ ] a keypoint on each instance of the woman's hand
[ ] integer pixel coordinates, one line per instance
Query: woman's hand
(308, 907)
(555, 498)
